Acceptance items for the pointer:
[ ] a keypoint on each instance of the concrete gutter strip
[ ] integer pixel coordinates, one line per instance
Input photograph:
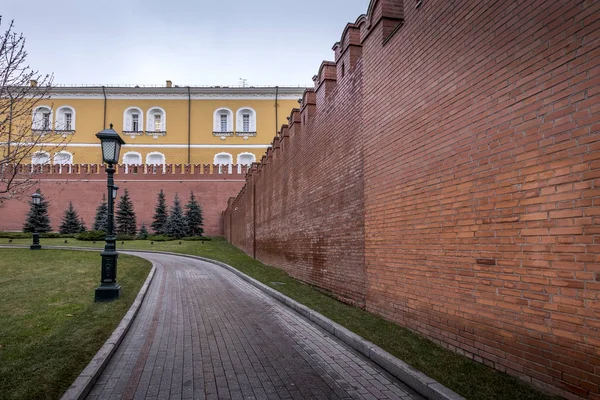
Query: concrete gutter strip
(421, 383)
(84, 382)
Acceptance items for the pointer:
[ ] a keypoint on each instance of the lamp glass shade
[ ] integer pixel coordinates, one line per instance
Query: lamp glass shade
(111, 145)
(108, 151)
(36, 198)
(114, 191)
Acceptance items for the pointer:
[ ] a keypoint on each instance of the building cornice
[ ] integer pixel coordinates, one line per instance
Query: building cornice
(171, 93)
(176, 93)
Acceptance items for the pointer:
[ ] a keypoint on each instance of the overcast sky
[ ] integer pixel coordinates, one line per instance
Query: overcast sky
(191, 42)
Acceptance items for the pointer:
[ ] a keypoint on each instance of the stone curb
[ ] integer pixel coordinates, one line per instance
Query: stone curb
(421, 383)
(84, 382)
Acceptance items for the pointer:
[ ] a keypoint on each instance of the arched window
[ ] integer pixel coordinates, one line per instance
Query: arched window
(223, 122)
(63, 157)
(132, 158)
(40, 157)
(65, 119)
(246, 121)
(133, 122)
(245, 159)
(156, 120)
(224, 162)
(42, 119)
(155, 158)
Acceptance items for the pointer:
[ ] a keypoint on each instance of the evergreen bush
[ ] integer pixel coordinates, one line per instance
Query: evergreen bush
(91, 235)
(193, 216)
(176, 225)
(101, 219)
(125, 220)
(37, 218)
(71, 223)
(160, 215)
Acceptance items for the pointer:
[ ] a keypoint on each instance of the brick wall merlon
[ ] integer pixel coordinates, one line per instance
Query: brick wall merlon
(295, 117)
(309, 97)
(327, 81)
(363, 25)
(390, 13)
(284, 132)
(350, 37)
(385, 9)
(337, 50)
(327, 71)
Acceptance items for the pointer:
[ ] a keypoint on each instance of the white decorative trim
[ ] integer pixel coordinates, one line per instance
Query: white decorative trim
(222, 165)
(152, 146)
(240, 120)
(223, 154)
(239, 163)
(217, 119)
(246, 154)
(139, 155)
(36, 124)
(60, 123)
(37, 155)
(155, 153)
(150, 121)
(70, 160)
(176, 97)
(128, 123)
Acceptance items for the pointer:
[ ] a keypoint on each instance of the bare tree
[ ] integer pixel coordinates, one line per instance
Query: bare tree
(21, 89)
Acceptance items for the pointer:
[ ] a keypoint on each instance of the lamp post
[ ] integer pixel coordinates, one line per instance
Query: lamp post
(36, 199)
(109, 289)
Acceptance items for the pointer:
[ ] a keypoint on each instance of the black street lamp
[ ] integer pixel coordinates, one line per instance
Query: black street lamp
(109, 289)
(36, 199)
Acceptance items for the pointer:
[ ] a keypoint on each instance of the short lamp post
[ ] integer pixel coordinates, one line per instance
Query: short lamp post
(109, 289)
(36, 199)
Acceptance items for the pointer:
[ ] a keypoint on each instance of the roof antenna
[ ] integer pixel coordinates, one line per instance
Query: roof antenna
(243, 82)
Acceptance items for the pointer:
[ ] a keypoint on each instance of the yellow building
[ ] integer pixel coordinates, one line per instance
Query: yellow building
(162, 125)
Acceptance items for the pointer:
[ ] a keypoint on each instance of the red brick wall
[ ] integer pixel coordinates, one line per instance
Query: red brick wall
(453, 172)
(308, 207)
(85, 185)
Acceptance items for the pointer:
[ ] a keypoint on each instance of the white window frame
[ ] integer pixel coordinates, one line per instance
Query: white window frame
(240, 119)
(220, 165)
(132, 153)
(217, 119)
(37, 118)
(37, 154)
(128, 121)
(150, 119)
(239, 163)
(156, 153)
(61, 122)
(61, 153)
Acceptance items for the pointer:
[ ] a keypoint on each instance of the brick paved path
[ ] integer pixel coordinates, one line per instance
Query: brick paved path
(204, 333)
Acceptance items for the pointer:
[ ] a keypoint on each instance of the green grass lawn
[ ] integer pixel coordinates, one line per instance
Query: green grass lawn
(470, 379)
(50, 326)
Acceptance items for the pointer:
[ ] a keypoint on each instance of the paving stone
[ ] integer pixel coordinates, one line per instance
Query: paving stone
(204, 333)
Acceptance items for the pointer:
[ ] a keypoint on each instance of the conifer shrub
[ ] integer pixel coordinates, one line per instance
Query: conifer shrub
(91, 235)
(160, 238)
(37, 218)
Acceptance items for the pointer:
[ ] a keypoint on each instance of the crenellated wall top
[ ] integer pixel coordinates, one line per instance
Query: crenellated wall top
(40, 171)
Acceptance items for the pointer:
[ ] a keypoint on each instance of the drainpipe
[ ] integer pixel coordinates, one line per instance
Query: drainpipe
(189, 123)
(253, 217)
(104, 119)
(276, 110)
(10, 118)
